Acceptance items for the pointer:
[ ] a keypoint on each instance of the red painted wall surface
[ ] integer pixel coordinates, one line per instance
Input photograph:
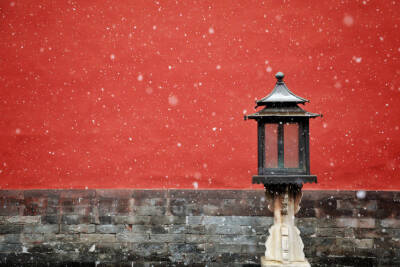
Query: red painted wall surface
(151, 94)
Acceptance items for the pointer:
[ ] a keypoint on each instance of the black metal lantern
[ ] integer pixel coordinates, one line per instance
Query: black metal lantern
(283, 138)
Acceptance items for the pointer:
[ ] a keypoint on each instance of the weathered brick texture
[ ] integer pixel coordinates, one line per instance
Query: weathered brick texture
(190, 227)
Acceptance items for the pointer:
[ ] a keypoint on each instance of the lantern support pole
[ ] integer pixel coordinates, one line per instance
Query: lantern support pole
(284, 246)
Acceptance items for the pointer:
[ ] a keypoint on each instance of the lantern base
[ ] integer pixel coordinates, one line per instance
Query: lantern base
(284, 179)
(268, 263)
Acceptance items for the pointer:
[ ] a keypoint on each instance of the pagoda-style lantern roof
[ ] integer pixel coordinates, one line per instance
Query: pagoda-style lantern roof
(281, 94)
(281, 102)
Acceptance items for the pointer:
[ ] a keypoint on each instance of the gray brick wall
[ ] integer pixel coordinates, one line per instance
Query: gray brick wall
(190, 227)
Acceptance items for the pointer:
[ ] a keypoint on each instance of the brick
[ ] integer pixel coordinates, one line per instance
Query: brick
(23, 219)
(243, 220)
(252, 249)
(212, 210)
(356, 223)
(178, 248)
(221, 248)
(154, 201)
(177, 229)
(370, 205)
(132, 237)
(32, 238)
(178, 210)
(159, 229)
(10, 238)
(11, 229)
(167, 220)
(147, 249)
(131, 219)
(140, 195)
(167, 238)
(351, 243)
(74, 219)
(194, 220)
(12, 194)
(78, 194)
(41, 229)
(390, 223)
(193, 238)
(264, 221)
(248, 230)
(149, 210)
(77, 228)
(114, 193)
(224, 229)
(214, 220)
(137, 228)
(195, 229)
(330, 232)
(103, 220)
(364, 243)
(110, 228)
(11, 206)
(11, 248)
(61, 238)
(239, 239)
(95, 238)
(50, 219)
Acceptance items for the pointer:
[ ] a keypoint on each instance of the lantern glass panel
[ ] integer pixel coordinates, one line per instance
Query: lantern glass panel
(291, 145)
(271, 145)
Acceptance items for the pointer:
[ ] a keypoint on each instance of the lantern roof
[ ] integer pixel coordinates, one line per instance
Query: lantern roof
(277, 110)
(281, 94)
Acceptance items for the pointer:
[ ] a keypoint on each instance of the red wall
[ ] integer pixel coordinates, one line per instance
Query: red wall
(151, 94)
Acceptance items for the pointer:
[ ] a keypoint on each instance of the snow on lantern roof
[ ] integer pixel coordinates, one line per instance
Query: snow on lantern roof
(280, 94)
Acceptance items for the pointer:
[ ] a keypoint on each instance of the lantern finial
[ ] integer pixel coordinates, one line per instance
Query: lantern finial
(279, 76)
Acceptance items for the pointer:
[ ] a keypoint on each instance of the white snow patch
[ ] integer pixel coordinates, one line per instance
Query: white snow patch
(218, 67)
(18, 131)
(211, 30)
(178, 144)
(268, 69)
(140, 77)
(112, 56)
(173, 100)
(357, 59)
(92, 248)
(361, 194)
(348, 20)
(195, 185)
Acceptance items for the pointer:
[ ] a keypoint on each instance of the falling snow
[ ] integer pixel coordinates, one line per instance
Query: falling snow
(348, 20)
(173, 100)
(97, 90)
